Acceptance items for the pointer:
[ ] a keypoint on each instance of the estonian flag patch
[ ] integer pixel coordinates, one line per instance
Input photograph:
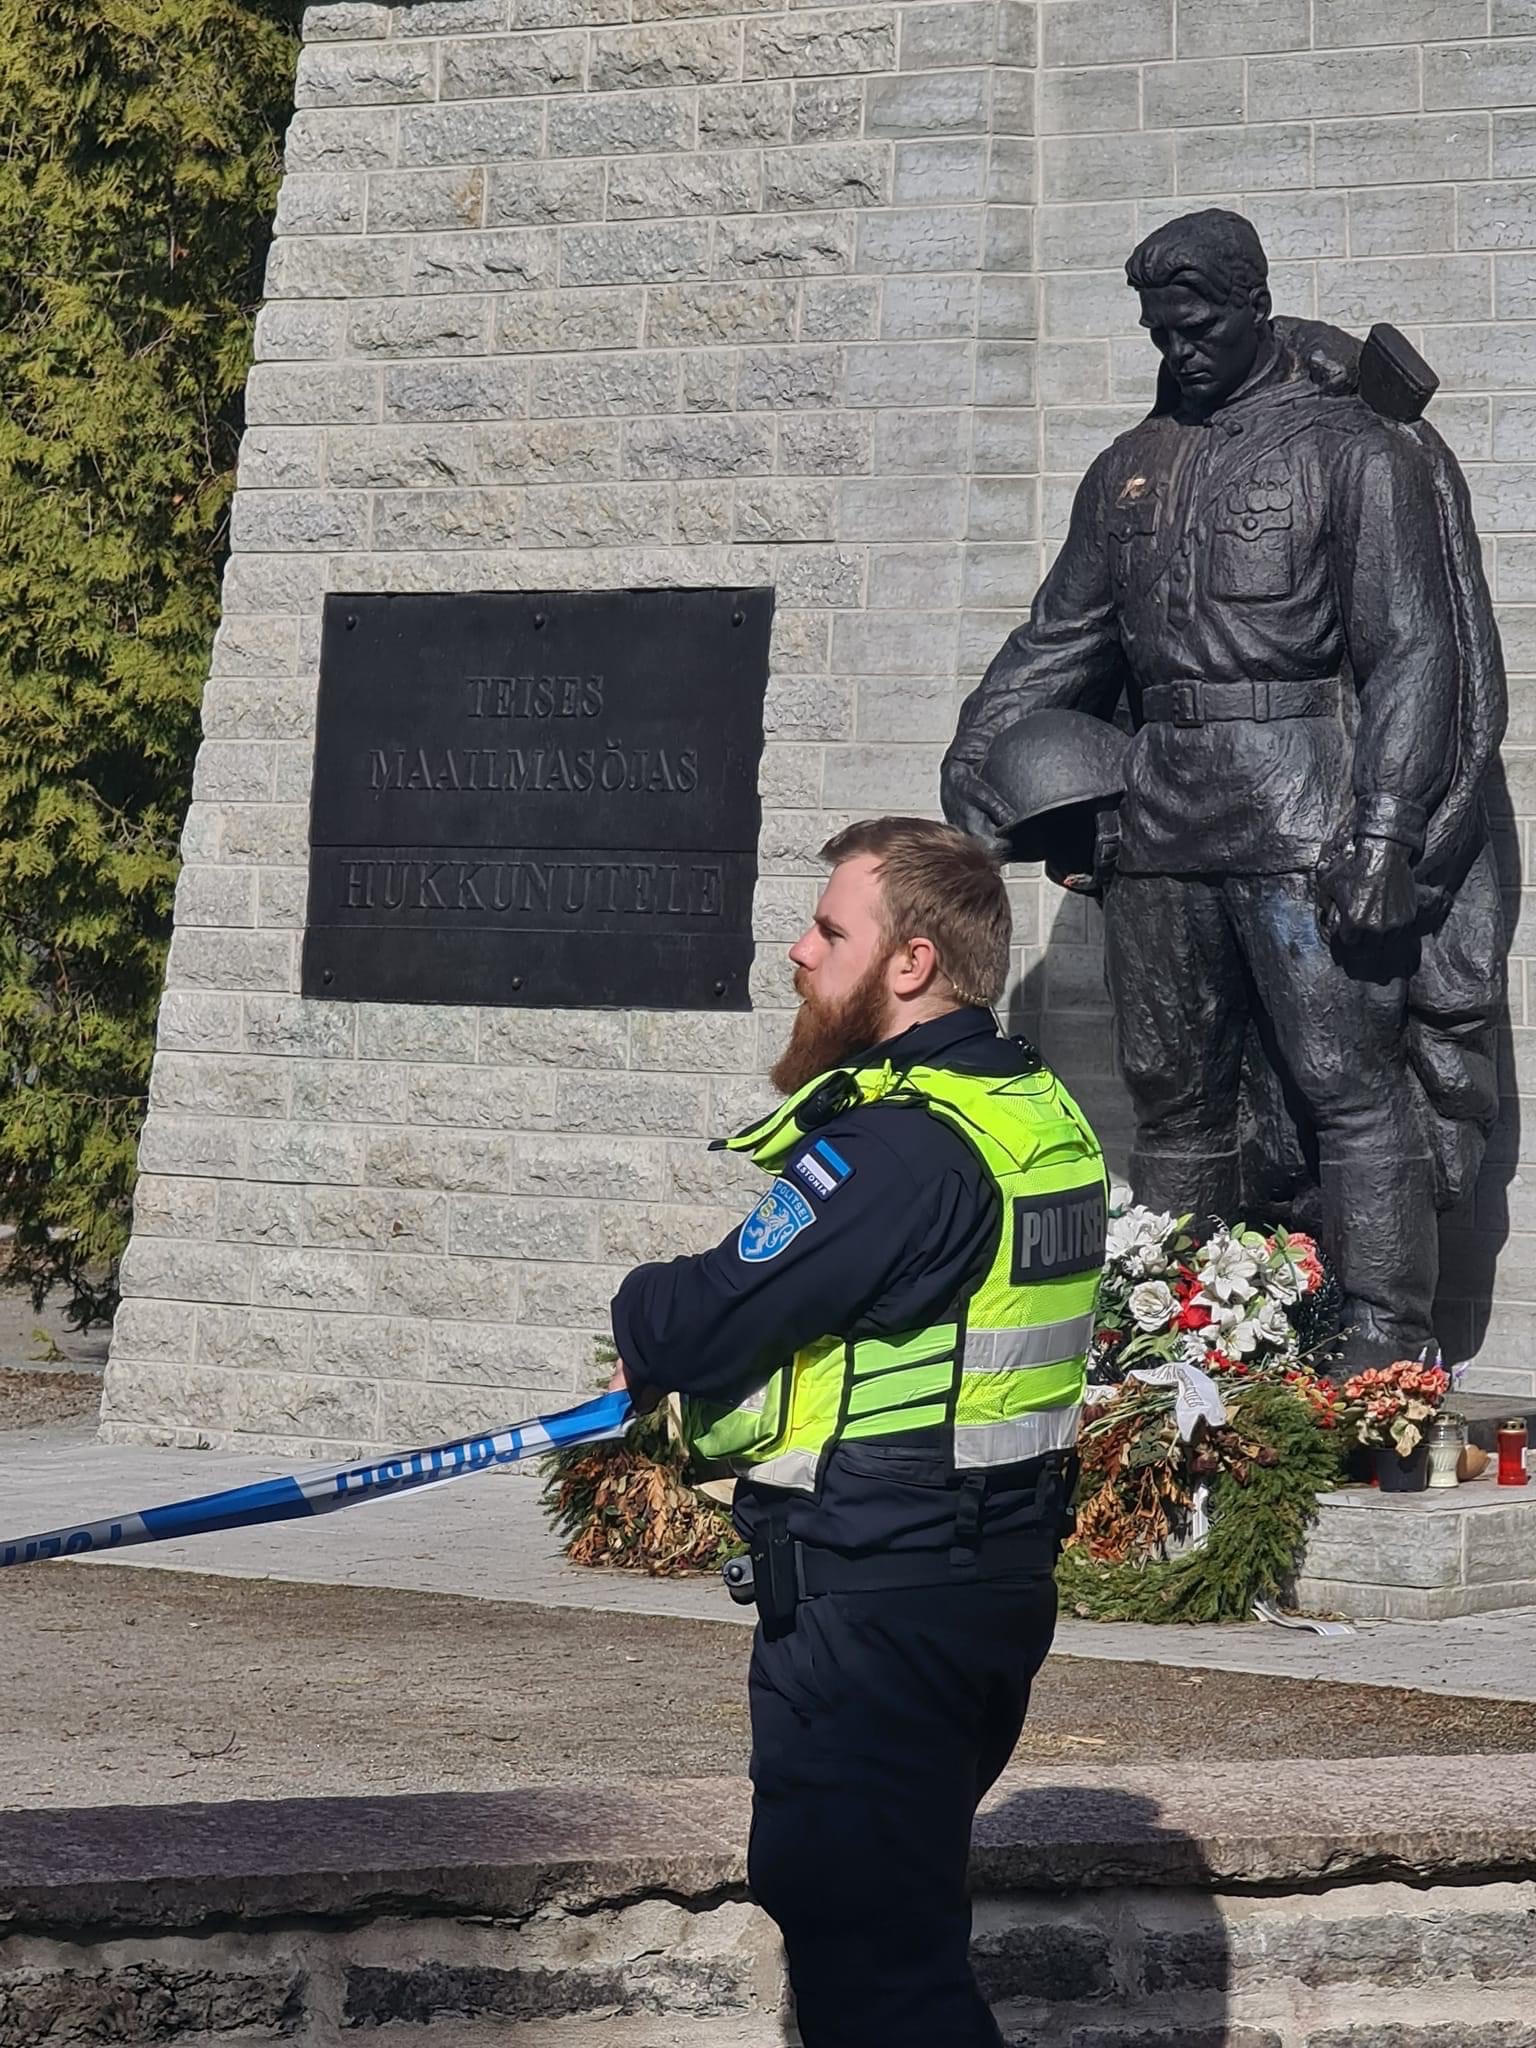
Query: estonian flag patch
(822, 1168)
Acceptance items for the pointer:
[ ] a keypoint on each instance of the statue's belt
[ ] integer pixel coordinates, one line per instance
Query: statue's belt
(1195, 703)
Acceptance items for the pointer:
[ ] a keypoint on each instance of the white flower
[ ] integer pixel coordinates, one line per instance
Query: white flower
(1192, 1348)
(1282, 1282)
(1265, 1324)
(1226, 1268)
(1272, 1323)
(1153, 1305)
(1136, 1242)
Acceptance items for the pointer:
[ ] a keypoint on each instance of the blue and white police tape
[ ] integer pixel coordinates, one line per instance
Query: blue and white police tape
(321, 1493)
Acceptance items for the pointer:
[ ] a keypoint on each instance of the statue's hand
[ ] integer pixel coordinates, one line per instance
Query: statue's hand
(1106, 857)
(1368, 890)
(975, 808)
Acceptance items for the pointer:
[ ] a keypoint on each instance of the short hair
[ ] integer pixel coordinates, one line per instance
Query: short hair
(940, 884)
(1216, 253)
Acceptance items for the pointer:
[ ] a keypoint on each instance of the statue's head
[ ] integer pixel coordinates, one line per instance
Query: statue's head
(1204, 288)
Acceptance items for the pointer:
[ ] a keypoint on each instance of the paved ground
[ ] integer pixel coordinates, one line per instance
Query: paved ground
(485, 1538)
(163, 1687)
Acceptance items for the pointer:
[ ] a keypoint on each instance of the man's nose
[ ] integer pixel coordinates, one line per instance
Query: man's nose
(799, 953)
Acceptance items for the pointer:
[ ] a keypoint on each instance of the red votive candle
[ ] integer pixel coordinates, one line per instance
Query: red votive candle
(1512, 1470)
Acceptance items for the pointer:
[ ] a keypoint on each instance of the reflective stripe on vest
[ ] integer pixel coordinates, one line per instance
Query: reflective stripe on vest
(1009, 1443)
(1036, 1344)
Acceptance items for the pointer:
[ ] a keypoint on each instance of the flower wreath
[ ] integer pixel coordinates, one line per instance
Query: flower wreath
(1210, 1429)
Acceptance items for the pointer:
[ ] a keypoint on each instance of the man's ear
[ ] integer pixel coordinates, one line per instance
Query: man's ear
(1261, 302)
(917, 966)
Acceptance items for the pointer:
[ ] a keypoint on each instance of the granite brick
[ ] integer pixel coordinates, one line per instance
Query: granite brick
(488, 261)
(1501, 73)
(731, 115)
(826, 110)
(1099, 167)
(676, 53)
(928, 308)
(849, 174)
(1243, 28)
(568, 387)
(720, 313)
(1409, 150)
(626, 123)
(927, 103)
(925, 443)
(1193, 93)
(901, 240)
(835, 309)
(806, 45)
(509, 67)
(788, 245)
(1084, 32)
(548, 323)
(1406, 289)
(536, 195)
(1213, 160)
(364, 75)
(1077, 102)
(357, 139)
(1400, 21)
(454, 391)
(942, 173)
(447, 326)
(477, 132)
(722, 181)
(640, 253)
(552, 451)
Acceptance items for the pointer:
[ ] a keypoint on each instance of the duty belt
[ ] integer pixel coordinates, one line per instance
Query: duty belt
(1195, 703)
(779, 1572)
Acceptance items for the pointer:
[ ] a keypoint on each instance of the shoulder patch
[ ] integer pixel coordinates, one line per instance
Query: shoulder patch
(822, 1168)
(774, 1224)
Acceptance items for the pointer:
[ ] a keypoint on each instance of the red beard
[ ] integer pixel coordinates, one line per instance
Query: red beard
(826, 1034)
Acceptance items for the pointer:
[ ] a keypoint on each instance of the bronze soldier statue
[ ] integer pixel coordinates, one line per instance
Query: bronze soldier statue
(1273, 584)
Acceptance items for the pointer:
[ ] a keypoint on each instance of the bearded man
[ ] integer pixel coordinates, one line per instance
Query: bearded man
(889, 1354)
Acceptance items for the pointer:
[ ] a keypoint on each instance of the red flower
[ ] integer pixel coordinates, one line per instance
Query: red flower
(1192, 1317)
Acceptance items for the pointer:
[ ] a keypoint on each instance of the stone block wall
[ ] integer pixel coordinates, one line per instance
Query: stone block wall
(577, 294)
(568, 295)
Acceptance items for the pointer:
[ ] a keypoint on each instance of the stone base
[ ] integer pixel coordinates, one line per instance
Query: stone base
(1214, 1905)
(1421, 1556)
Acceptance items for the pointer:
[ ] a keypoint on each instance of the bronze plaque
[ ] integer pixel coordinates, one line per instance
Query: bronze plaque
(545, 799)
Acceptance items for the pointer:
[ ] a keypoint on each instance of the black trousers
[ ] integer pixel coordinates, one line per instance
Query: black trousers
(878, 1722)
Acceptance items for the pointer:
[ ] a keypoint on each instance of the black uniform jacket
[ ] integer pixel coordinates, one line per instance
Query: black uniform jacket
(897, 1239)
(1293, 537)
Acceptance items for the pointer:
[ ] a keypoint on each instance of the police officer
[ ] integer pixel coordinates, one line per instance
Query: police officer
(889, 1354)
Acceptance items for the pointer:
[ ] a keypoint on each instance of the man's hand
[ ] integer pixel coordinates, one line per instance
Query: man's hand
(643, 1399)
(1368, 890)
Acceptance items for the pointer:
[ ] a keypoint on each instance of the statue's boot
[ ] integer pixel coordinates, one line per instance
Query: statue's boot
(1193, 1183)
(1382, 1235)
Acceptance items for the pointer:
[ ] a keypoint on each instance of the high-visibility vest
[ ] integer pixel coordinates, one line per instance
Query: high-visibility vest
(1003, 1375)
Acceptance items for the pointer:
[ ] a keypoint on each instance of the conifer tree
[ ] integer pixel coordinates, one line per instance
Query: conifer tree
(138, 170)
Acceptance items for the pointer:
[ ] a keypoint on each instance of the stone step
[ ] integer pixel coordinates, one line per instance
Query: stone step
(1428, 1556)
